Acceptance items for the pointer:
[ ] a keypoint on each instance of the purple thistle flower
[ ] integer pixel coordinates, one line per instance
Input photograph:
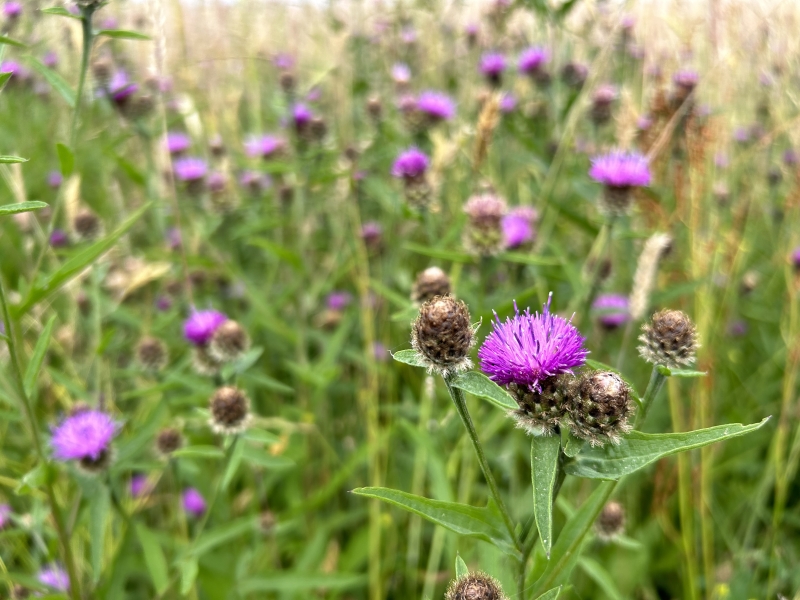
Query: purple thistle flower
(644, 123)
(201, 325)
(50, 59)
(139, 486)
(612, 310)
(314, 94)
(518, 226)
(190, 168)
(193, 502)
(621, 169)
(508, 103)
(529, 348)
(58, 238)
(265, 146)
(12, 10)
(790, 157)
(85, 435)
(5, 513)
(54, 576)
(796, 258)
(301, 116)
(436, 106)
(686, 78)
(411, 164)
(109, 23)
(177, 142)
(401, 73)
(163, 303)
(217, 182)
(493, 64)
(740, 134)
(55, 179)
(283, 61)
(254, 181)
(338, 301)
(13, 67)
(371, 232)
(121, 88)
(532, 60)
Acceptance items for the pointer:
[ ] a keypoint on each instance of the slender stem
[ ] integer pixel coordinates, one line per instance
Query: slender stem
(653, 387)
(461, 407)
(58, 517)
(88, 39)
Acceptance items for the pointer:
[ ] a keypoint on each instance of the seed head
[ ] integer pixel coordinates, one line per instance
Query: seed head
(443, 336)
(228, 342)
(598, 405)
(611, 522)
(669, 339)
(152, 354)
(475, 586)
(230, 410)
(429, 283)
(168, 440)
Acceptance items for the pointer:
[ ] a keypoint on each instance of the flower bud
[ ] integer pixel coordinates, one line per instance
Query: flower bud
(611, 522)
(443, 336)
(670, 339)
(152, 354)
(484, 233)
(429, 283)
(86, 225)
(598, 405)
(475, 586)
(229, 342)
(168, 440)
(541, 410)
(230, 410)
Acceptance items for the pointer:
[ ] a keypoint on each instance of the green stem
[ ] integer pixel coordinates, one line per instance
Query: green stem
(657, 381)
(58, 517)
(461, 407)
(88, 39)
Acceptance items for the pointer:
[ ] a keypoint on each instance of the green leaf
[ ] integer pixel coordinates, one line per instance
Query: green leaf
(686, 373)
(637, 450)
(409, 357)
(61, 12)
(39, 351)
(261, 436)
(5, 160)
(98, 517)
(551, 594)
(199, 452)
(189, 570)
(4, 77)
(241, 364)
(66, 159)
(233, 462)
(566, 550)
(481, 523)
(481, 386)
(461, 567)
(154, 558)
(123, 34)
(544, 468)
(601, 577)
(266, 460)
(32, 480)
(298, 582)
(573, 445)
(56, 81)
(219, 535)
(74, 266)
(21, 207)
(8, 41)
(529, 259)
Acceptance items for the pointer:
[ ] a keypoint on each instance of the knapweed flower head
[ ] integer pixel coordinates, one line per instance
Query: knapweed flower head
(85, 436)
(442, 335)
(492, 66)
(201, 325)
(58, 238)
(55, 179)
(598, 405)
(508, 103)
(401, 73)
(190, 169)
(177, 142)
(229, 342)
(620, 169)
(686, 78)
(338, 301)
(612, 310)
(475, 586)
(533, 60)
(669, 339)
(50, 59)
(411, 164)
(430, 283)
(611, 522)
(518, 226)
(12, 10)
(193, 502)
(265, 146)
(528, 348)
(796, 258)
(13, 67)
(283, 61)
(230, 410)
(139, 486)
(5, 514)
(55, 577)
(436, 106)
(120, 87)
(372, 234)
(301, 116)
(483, 235)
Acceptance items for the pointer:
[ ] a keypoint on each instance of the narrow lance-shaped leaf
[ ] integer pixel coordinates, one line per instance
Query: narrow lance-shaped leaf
(123, 34)
(8, 41)
(39, 351)
(551, 594)
(55, 80)
(6, 160)
(461, 567)
(481, 523)
(153, 558)
(544, 470)
(409, 357)
(21, 207)
(100, 505)
(637, 450)
(481, 386)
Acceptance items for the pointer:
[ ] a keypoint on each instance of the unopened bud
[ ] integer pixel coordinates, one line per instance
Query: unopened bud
(229, 342)
(152, 354)
(443, 335)
(230, 410)
(168, 440)
(598, 404)
(611, 522)
(429, 283)
(475, 586)
(670, 339)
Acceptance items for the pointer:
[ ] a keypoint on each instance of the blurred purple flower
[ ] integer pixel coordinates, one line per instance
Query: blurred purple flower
(177, 142)
(5, 513)
(611, 310)
(508, 103)
(55, 179)
(338, 301)
(13, 67)
(190, 168)
(120, 87)
(254, 181)
(408, 34)
(737, 328)
(528, 348)
(193, 502)
(201, 325)
(314, 94)
(790, 157)
(532, 60)
(301, 116)
(58, 238)
(410, 164)
(139, 486)
(265, 146)
(109, 23)
(85, 435)
(12, 10)
(50, 59)
(620, 169)
(380, 352)
(644, 123)
(518, 226)
(217, 182)
(796, 258)
(54, 576)
(686, 78)
(371, 232)
(173, 238)
(436, 106)
(401, 73)
(721, 160)
(163, 303)
(741, 135)
(283, 61)
(492, 65)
